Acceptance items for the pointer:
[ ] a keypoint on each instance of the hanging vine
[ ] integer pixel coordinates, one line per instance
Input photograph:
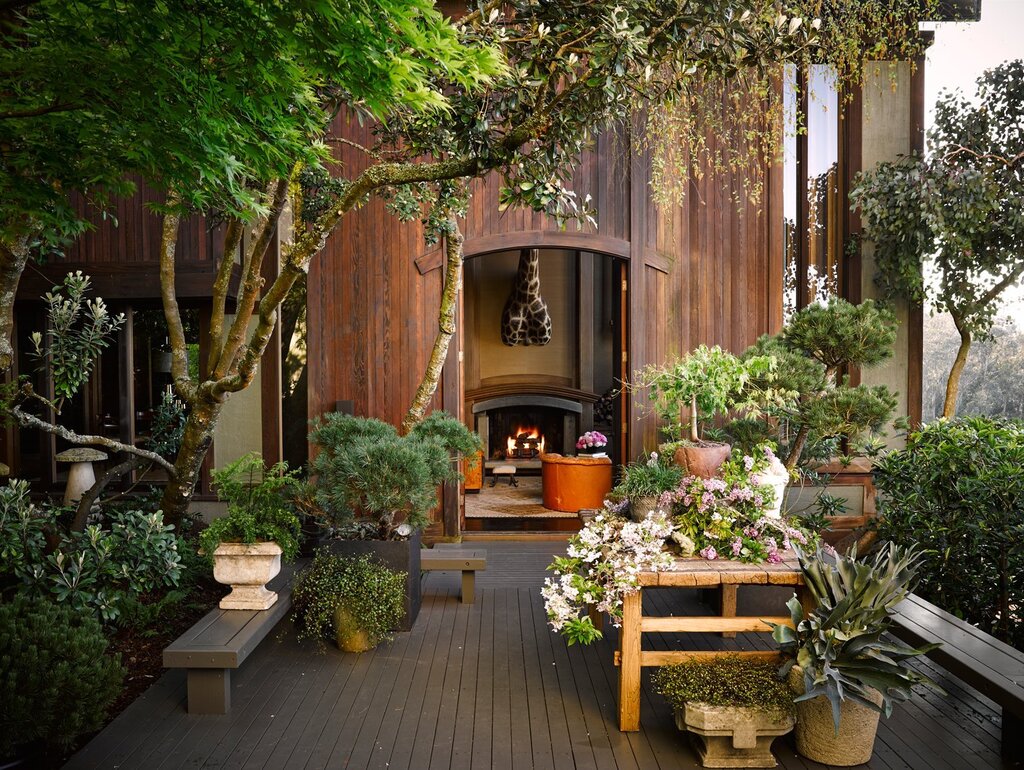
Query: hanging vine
(734, 123)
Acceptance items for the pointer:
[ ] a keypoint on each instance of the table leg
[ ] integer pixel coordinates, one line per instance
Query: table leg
(729, 592)
(629, 663)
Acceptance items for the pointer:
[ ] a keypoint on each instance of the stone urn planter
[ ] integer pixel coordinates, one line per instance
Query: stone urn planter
(247, 568)
(733, 736)
(702, 459)
(815, 733)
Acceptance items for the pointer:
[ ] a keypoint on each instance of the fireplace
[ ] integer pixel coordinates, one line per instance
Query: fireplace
(519, 429)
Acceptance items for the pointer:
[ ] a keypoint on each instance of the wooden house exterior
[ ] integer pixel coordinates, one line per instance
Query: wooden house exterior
(645, 284)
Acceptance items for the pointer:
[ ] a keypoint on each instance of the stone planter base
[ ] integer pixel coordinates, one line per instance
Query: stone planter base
(733, 736)
(247, 568)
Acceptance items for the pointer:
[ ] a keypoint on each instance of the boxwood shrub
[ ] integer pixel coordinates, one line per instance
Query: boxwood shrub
(957, 492)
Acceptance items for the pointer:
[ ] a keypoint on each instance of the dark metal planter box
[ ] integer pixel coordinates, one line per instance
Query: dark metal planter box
(400, 555)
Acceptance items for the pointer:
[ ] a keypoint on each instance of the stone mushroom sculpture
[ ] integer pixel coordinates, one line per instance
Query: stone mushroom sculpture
(80, 474)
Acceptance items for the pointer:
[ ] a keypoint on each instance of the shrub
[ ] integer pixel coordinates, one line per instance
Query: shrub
(56, 682)
(129, 554)
(957, 491)
(365, 469)
(261, 506)
(373, 594)
(725, 681)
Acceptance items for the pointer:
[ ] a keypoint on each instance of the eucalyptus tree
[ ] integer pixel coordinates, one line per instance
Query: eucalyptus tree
(955, 216)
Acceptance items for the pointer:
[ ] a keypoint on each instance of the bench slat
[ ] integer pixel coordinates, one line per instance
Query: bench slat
(452, 560)
(995, 668)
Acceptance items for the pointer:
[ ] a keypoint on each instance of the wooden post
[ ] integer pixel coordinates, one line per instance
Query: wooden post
(468, 586)
(209, 690)
(629, 668)
(728, 602)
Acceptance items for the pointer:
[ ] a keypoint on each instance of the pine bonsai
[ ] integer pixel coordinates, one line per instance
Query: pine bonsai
(809, 399)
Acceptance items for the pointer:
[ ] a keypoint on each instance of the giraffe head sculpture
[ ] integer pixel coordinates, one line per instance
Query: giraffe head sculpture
(525, 319)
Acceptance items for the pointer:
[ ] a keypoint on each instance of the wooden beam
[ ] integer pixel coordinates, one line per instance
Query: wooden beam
(712, 624)
(649, 658)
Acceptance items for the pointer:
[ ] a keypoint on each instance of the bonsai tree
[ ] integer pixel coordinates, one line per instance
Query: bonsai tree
(808, 400)
(956, 212)
(839, 645)
(261, 506)
(357, 600)
(365, 470)
(707, 382)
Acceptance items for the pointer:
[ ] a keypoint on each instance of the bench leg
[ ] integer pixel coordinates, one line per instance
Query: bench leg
(729, 591)
(512, 481)
(209, 690)
(468, 586)
(1013, 736)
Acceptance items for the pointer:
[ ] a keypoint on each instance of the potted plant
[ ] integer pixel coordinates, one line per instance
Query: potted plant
(375, 489)
(356, 600)
(591, 443)
(261, 527)
(644, 482)
(732, 707)
(707, 382)
(842, 670)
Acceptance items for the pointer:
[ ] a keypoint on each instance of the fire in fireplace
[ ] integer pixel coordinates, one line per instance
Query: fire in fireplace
(524, 443)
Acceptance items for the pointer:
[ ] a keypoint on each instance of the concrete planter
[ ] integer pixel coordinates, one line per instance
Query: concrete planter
(816, 736)
(733, 736)
(247, 568)
(399, 555)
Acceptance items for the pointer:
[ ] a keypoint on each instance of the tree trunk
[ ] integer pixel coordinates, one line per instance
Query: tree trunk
(196, 440)
(953, 383)
(693, 420)
(13, 258)
(90, 496)
(446, 330)
(798, 447)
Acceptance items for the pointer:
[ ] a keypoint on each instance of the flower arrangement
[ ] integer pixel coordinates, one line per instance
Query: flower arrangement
(732, 516)
(591, 440)
(601, 566)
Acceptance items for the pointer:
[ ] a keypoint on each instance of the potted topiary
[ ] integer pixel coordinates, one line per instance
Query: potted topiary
(732, 707)
(375, 489)
(842, 670)
(707, 382)
(357, 600)
(261, 527)
(645, 481)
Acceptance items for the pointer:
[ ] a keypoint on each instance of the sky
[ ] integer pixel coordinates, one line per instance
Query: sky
(961, 52)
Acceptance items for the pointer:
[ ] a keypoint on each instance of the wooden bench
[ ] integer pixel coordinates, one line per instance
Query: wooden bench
(993, 668)
(220, 642)
(451, 557)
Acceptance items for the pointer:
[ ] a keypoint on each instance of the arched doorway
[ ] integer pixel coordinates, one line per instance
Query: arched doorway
(559, 389)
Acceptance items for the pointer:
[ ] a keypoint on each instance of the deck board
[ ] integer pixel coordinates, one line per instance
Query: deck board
(485, 685)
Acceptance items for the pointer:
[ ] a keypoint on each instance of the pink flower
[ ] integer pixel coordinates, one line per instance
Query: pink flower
(737, 546)
(709, 553)
(748, 462)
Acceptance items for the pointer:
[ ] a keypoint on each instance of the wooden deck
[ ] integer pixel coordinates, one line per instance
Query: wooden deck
(484, 685)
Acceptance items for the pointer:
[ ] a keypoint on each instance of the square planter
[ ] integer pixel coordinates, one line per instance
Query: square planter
(733, 736)
(399, 555)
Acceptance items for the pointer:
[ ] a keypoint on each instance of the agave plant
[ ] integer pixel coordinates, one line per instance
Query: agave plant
(840, 646)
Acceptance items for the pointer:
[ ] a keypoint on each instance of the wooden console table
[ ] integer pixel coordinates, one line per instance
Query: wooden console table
(693, 573)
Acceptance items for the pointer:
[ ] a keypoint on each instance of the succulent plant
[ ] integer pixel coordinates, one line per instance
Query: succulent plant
(839, 645)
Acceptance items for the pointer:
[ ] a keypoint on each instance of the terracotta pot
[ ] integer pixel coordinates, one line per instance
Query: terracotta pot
(702, 459)
(247, 568)
(733, 736)
(350, 636)
(815, 733)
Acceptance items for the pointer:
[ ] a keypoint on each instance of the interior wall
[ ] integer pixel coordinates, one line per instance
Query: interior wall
(493, 278)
